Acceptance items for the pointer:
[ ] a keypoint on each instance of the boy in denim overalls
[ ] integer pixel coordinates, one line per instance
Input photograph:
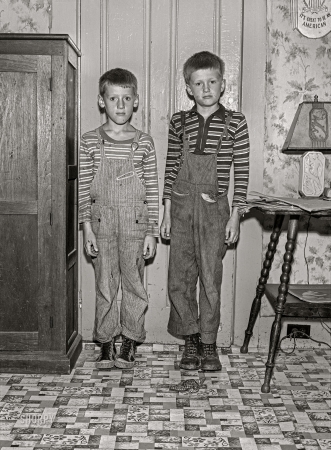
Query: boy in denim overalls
(203, 144)
(118, 206)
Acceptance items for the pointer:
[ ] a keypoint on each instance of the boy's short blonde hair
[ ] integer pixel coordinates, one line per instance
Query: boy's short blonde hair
(118, 77)
(202, 60)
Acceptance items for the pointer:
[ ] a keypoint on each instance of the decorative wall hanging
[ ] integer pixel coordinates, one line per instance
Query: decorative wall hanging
(311, 17)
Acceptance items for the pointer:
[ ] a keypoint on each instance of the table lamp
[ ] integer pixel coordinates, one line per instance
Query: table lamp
(310, 135)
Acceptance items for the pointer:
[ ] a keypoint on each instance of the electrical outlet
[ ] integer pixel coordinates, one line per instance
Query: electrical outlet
(291, 327)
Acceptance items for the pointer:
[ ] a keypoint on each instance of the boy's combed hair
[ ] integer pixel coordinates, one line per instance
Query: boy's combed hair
(118, 77)
(202, 60)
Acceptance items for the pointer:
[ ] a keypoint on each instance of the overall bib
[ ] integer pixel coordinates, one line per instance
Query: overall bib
(119, 222)
(198, 219)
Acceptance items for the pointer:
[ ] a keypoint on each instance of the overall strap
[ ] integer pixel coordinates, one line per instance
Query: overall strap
(185, 146)
(185, 139)
(135, 143)
(224, 132)
(100, 143)
(182, 121)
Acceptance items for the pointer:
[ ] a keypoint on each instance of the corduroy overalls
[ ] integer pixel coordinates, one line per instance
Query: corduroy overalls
(119, 221)
(198, 219)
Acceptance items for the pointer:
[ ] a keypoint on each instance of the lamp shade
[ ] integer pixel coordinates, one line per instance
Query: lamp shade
(310, 129)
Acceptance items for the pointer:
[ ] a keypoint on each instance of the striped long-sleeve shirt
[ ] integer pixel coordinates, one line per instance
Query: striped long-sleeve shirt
(144, 162)
(203, 137)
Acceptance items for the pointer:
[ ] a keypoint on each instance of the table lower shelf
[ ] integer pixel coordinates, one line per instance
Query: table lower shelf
(294, 307)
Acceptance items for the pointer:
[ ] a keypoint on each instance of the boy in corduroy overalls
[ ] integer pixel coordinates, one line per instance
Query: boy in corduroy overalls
(118, 206)
(203, 144)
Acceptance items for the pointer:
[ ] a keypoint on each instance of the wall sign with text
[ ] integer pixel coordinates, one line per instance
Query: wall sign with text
(311, 17)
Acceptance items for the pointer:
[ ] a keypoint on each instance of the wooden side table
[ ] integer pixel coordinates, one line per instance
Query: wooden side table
(280, 306)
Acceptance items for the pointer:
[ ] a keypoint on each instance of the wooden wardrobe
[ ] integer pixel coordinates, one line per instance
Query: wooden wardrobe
(39, 79)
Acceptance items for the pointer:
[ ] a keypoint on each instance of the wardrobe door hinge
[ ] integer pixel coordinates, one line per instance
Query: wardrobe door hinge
(50, 219)
(51, 322)
(51, 84)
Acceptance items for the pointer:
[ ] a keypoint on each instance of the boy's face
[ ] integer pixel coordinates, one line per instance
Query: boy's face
(206, 86)
(118, 102)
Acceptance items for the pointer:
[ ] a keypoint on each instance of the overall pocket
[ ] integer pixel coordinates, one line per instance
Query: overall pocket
(179, 191)
(141, 213)
(138, 229)
(223, 206)
(209, 197)
(180, 194)
(96, 217)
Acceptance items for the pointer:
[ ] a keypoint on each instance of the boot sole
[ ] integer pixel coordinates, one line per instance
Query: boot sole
(104, 364)
(121, 364)
(189, 367)
(211, 368)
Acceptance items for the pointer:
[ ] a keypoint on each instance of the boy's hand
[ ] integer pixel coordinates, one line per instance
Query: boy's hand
(90, 242)
(232, 228)
(166, 222)
(165, 227)
(149, 247)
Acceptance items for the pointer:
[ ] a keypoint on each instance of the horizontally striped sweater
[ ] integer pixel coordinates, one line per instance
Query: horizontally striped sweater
(144, 162)
(203, 137)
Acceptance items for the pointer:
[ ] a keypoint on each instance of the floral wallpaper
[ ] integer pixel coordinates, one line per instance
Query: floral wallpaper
(297, 69)
(25, 16)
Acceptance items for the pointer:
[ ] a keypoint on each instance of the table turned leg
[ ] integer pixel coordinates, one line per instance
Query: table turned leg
(292, 232)
(269, 256)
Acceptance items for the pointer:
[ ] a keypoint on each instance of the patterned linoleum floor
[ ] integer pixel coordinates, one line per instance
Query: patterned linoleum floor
(136, 409)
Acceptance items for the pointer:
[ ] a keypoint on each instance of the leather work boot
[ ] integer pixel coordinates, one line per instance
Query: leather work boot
(126, 357)
(210, 359)
(107, 355)
(192, 353)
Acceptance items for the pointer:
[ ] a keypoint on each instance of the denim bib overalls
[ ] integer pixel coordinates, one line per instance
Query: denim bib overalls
(198, 219)
(119, 221)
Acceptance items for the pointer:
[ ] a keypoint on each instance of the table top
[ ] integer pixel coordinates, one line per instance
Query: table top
(291, 210)
(294, 307)
(271, 204)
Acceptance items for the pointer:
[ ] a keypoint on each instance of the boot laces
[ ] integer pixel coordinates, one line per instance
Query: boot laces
(127, 348)
(106, 350)
(209, 349)
(191, 344)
